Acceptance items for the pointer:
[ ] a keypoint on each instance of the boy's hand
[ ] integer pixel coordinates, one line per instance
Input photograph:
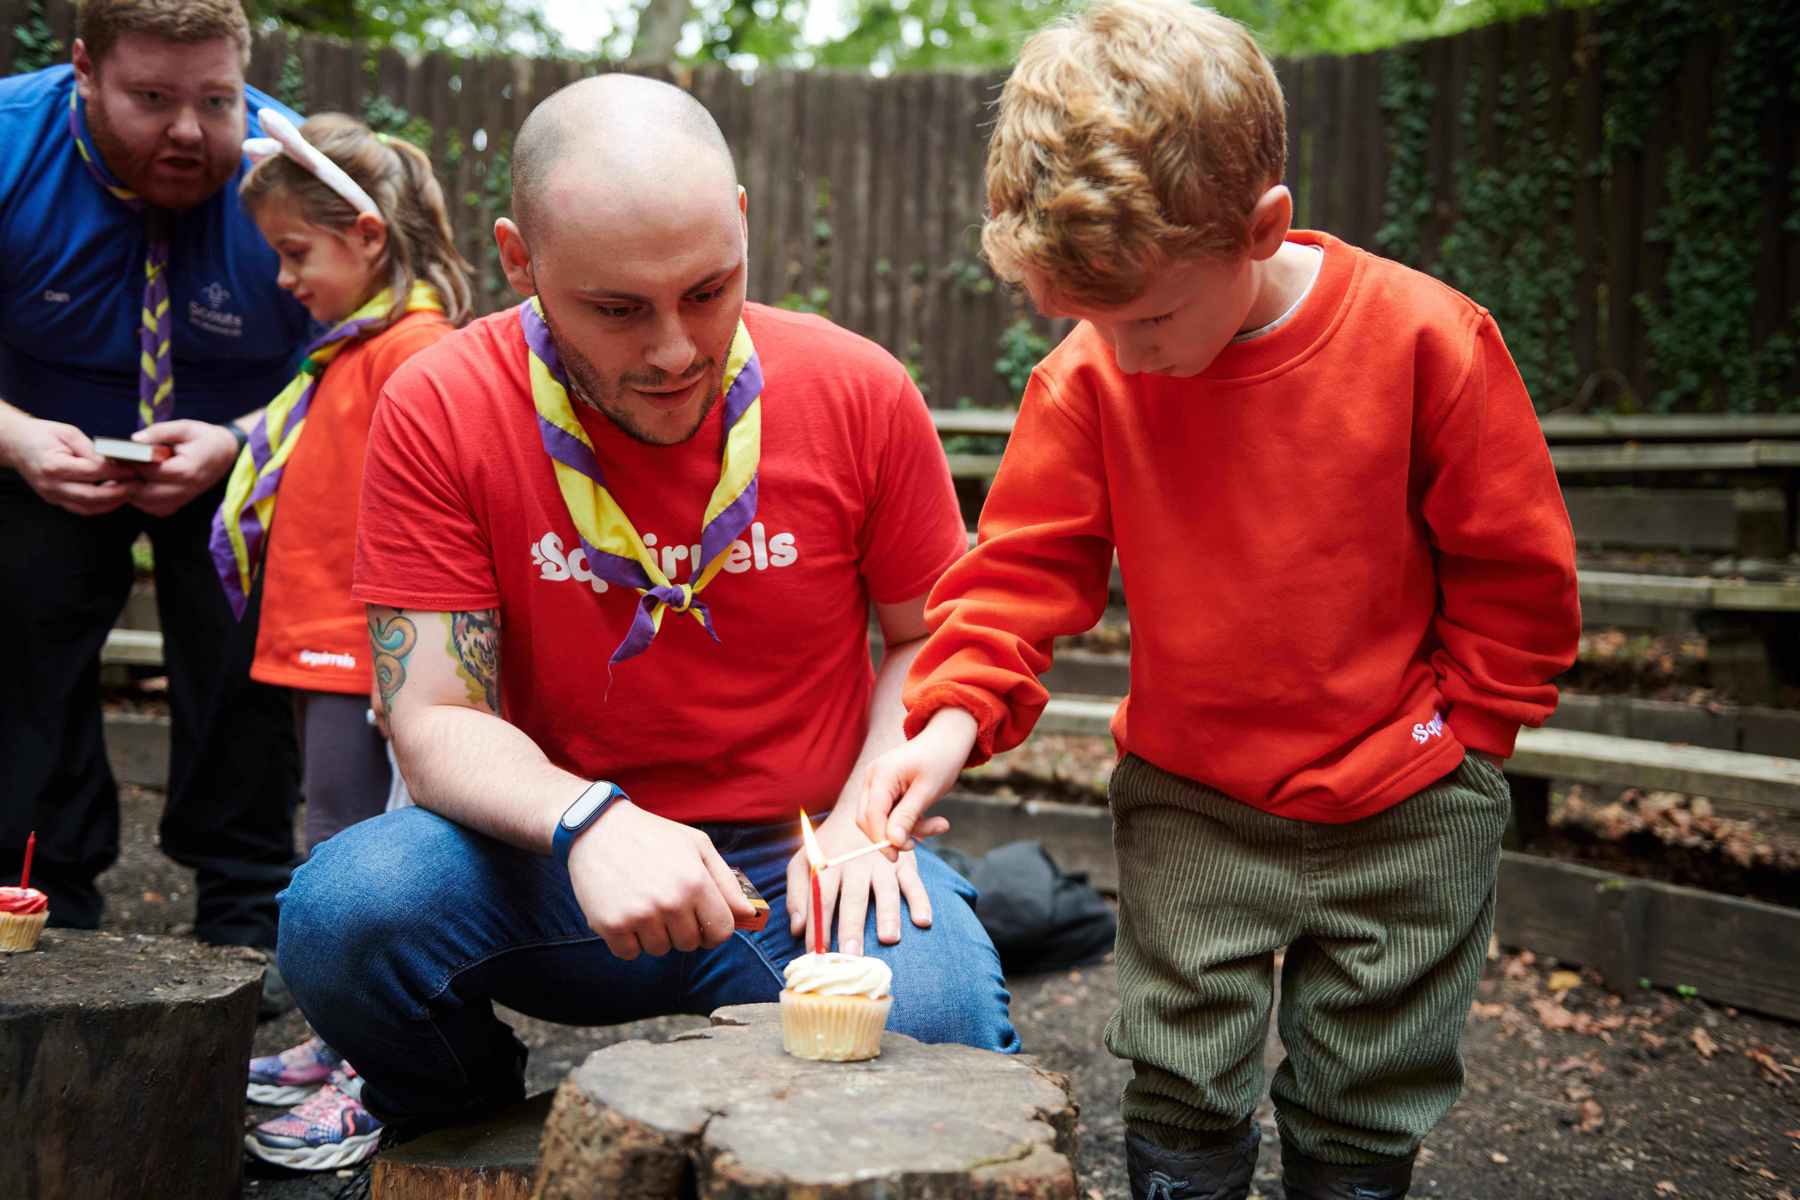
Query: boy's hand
(908, 779)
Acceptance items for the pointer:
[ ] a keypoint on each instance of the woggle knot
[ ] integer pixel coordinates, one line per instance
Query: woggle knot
(684, 598)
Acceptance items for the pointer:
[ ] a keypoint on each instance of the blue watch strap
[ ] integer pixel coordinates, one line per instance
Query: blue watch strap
(595, 799)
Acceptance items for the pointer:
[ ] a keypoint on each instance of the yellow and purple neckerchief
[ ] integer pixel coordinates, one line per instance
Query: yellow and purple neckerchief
(614, 550)
(242, 522)
(156, 365)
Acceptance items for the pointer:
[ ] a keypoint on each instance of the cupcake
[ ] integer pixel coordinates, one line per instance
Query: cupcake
(834, 1006)
(23, 912)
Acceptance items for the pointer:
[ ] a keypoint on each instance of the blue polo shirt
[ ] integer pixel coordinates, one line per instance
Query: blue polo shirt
(72, 282)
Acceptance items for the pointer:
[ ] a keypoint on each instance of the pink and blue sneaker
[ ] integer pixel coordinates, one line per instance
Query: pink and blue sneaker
(292, 1075)
(328, 1130)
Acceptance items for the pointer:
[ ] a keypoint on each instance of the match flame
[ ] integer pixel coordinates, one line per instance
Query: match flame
(814, 855)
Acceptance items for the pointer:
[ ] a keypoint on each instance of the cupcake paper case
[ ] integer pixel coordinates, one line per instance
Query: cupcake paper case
(834, 1007)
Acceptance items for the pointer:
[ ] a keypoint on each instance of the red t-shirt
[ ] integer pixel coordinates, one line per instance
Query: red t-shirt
(854, 504)
(312, 633)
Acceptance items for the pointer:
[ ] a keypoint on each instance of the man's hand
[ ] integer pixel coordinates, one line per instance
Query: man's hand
(203, 453)
(60, 465)
(649, 885)
(846, 889)
(908, 779)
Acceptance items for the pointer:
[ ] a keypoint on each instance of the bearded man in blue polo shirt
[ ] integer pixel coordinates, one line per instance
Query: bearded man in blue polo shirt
(136, 299)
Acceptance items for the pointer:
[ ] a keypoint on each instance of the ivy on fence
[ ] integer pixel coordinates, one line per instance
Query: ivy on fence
(35, 45)
(1510, 241)
(1699, 328)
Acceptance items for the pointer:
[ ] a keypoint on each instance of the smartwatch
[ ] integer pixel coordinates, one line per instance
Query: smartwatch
(594, 800)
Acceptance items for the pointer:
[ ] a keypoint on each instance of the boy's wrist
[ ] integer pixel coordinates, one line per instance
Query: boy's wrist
(953, 728)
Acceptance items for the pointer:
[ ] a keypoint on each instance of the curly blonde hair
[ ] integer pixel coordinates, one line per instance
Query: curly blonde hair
(1133, 134)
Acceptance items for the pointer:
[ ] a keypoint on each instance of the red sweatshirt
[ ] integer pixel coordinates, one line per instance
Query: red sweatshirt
(1345, 554)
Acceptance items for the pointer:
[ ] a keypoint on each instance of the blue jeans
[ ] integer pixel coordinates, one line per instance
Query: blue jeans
(400, 934)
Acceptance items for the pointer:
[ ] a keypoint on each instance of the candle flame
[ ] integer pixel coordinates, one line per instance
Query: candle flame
(814, 856)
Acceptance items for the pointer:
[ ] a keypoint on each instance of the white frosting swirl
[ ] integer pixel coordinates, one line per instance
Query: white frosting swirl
(839, 975)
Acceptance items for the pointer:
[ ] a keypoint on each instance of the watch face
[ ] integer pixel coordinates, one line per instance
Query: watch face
(583, 809)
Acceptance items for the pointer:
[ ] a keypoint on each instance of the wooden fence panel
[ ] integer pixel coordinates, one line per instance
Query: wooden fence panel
(893, 167)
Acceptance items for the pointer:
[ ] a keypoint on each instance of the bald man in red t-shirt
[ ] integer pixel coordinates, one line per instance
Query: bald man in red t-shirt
(619, 546)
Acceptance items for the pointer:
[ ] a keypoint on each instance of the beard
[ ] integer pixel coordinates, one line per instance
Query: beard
(133, 164)
(607, 395)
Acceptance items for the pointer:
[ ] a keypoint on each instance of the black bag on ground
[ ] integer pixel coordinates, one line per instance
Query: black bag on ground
(1041, 917)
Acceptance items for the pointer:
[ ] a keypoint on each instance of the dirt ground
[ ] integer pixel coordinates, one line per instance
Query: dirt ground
(1573, 1093)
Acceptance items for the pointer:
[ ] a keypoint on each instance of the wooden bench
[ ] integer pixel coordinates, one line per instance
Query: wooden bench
(1763, 783)
(1755, 519)
(1600, 427)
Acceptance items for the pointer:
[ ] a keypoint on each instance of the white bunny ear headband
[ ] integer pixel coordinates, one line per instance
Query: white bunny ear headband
(285, 139)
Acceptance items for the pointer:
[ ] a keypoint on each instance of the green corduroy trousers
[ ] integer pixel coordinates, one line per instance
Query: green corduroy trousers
(1386, 924)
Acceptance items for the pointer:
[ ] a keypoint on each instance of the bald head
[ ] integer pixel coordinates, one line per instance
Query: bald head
(615, 134)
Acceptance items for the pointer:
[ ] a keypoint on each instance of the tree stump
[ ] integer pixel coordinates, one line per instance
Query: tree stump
(496, 1159)
(724, 1114)
(122, 1066)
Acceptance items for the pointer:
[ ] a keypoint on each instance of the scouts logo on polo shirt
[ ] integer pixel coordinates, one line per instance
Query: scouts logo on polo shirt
(1426, 730)
(212, 316)
(757, 550)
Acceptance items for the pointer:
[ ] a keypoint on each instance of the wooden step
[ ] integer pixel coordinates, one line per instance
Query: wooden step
(1760, 781)
(1599, 427)
(1700, 594)
(133, 648)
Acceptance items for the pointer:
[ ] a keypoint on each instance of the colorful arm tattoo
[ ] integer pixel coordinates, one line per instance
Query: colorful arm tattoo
(475, 641)
(392, 637)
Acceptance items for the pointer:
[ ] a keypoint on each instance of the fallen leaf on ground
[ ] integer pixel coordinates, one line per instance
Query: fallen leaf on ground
(1667, 1188)
(1704, 1043)
(1562, 981)
(1552, 1015)
(1772, 1070)
(1592, 1116)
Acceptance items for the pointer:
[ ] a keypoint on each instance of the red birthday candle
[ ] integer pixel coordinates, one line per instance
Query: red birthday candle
(31, 844)
(818, 917)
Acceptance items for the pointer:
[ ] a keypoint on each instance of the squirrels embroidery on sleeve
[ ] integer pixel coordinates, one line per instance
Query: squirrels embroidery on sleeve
(1425, 731)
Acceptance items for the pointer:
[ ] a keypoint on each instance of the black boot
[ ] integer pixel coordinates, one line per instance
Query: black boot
(1220, 1170)
(1309, 1179)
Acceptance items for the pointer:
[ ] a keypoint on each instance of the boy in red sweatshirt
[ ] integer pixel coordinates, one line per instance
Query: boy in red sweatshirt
(1351, 579)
